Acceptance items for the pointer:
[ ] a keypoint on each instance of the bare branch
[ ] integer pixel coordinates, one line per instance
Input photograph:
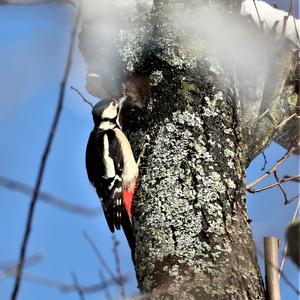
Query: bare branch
(65, 287)
(286, 120)
(274, 167)
(106, 289)
(293, 198)
(281, 188)
(77, 286)
(83, 98)
(118, 265)
(101, 259)
(42, 166)
(265, 161)
(9, 269)
(260, 21)
(251, 19)
(285, 18)
(19, 186)
(35, 2)
(294, 19)
(253, 191)
(292, 178)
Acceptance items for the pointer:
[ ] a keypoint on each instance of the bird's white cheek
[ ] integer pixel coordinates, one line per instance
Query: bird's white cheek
(110, 112)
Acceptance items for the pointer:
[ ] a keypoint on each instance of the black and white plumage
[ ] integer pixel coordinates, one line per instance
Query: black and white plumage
(111, 166)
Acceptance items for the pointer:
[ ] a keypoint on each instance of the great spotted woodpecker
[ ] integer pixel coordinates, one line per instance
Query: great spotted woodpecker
(111, 166)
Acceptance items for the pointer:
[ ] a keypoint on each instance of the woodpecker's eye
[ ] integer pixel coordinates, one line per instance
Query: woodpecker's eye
(114, 103)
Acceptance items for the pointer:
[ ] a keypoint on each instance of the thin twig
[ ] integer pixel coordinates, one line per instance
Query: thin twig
(5, 271)
(259, 19)
(42, 166)
(118, 265)
(19, 186)
(281, 188)
(35, 2)
(273, 28)
(285, 18)
(66, 287)
(253, 191)
(294, 198)
(101, 259)
(78, 287)
(268, 114)
(286, 244)
(292, 13)
(273, 168)
(297, 180)
(251, 19)
(106, 289)
(265, 161)
(83, 98)
(286, 120)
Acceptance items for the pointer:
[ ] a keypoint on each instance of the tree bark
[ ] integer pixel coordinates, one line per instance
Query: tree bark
(192, 234)
(193, 239)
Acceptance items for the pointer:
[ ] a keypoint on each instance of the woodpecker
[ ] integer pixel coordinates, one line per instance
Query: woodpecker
(111, 166)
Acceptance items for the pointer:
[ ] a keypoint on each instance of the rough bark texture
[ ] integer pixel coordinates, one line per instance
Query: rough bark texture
(193, 240)
(190, 216)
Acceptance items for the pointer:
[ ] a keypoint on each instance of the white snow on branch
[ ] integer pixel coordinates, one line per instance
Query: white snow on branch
(269, 16)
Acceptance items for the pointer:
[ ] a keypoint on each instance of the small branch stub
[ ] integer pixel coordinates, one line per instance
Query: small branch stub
(271, 245)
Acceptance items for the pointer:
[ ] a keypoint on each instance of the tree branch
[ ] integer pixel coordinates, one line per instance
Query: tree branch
(253, 191)
(83, 98)
(6, 271)
(77, 286)
(281, 188)
(265, 161)
(35, 2)
(43, 162)
(106, 289)
(273, 168)
(118, 265)
(21, 187)
(119, 281)
(65, 287)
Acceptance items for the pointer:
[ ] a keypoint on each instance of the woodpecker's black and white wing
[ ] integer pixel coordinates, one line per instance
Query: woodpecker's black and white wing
(104, 164)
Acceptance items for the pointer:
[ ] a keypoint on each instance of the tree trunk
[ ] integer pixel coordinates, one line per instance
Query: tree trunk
(193, 239)
(192, 234)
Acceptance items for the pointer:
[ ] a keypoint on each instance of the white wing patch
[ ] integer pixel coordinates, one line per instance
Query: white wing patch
(130, 168)
(107, 160)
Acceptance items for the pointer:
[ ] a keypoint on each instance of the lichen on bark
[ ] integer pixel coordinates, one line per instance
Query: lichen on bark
(190, 217)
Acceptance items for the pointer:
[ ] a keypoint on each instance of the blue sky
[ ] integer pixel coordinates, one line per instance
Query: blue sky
(34, 43)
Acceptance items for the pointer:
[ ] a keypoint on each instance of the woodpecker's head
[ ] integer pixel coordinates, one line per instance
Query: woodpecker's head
(107, 111)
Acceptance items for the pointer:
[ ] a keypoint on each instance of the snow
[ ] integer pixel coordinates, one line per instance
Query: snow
(269, 15)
